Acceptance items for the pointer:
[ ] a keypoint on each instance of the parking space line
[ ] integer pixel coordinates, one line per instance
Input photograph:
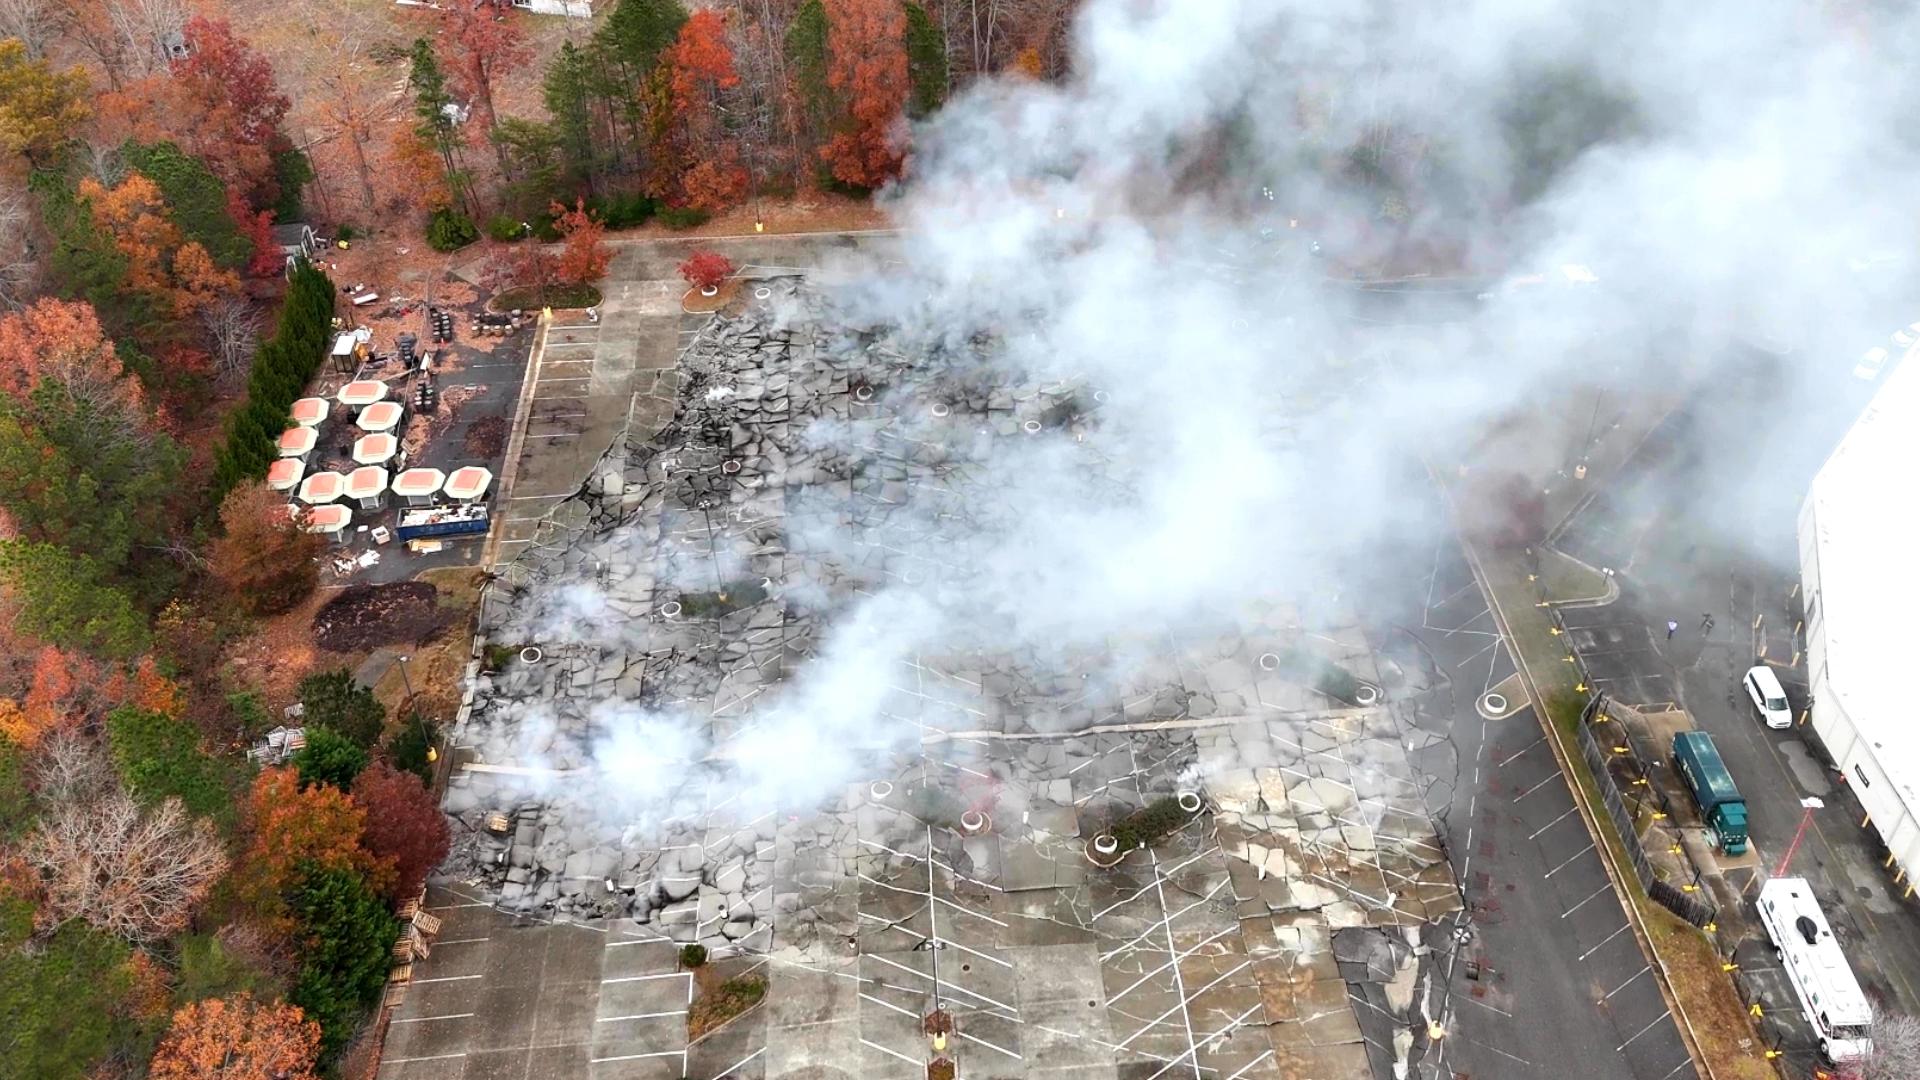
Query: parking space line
(1551, 777)
(444, 978)
(1569, 861)
(1603, 888)
(1551, 824)
(645, 978)
(1523, 750)
(430, 1057)
(1642, 1031)
(428, 1019)
(1002, 1050)
(1630, 979)
(460, 941)
(636, 1057)
(917, 1064)
(638, 1016)
(1603, 941)
(889, 1005)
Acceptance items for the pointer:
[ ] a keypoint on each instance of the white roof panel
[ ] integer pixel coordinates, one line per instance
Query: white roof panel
(1864, 521)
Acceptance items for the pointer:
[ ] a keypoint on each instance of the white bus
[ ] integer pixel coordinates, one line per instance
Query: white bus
(1828, 992)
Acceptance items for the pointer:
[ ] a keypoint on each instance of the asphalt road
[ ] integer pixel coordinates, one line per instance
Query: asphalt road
(1561, 977)
(1701, 522)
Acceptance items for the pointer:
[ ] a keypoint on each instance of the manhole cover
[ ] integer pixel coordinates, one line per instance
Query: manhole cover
(1494, 703)
(762, 293)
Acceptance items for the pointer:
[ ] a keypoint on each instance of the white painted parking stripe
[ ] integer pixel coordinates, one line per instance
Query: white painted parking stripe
(1551, 777)
(1517, 756)
(1629, 982)
(428, 1019)
(638, 1016)
(1551, 824)
(1641, 1032)
(1603, 941)
(430, 1057)
(444, 978)
(461, 941)
(1583, 903)
(1570, 860)
(895, 1053)
(636, 1057)
(646, 978)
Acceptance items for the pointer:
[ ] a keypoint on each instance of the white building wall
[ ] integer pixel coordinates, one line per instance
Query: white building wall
(1853, 755)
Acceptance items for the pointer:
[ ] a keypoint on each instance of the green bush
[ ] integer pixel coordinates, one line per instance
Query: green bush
(505, 228)
(1149, 824)
(249, 714)
(738, 594)
(344, 232)
(692, 955)
(159, 757)
(682, 217)
(623, 211)
(61, 1000)
(16, 800)
(408, 747)
(196, 199)
(329, 758)
(449, 230)
(349, 936)
(495, 656)
(209, 969)
(331, 699)
(281, 368)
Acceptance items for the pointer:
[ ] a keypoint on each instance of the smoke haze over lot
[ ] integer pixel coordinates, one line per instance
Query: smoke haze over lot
(1257, 433)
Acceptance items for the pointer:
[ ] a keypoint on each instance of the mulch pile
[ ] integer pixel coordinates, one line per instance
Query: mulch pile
(486, 438)
(367, 616)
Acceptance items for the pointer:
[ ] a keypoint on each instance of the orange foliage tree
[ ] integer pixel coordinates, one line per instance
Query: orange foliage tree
(264, 558)
(160, 260)
(706, 168)
(65, 690)
(237, 1038)
(235, 109)
(483, 43)
(584, 255)
(290, 828)
(867, 67)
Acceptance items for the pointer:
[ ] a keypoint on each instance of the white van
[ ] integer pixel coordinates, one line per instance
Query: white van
(1763, 686)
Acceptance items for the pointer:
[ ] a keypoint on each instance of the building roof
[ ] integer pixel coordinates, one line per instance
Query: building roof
(291, 234)
(1863, 523)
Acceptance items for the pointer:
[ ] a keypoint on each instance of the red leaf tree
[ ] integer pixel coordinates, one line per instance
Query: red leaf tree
(236, 109)
(484, 42)
(706, 169)
(264, 558)
(867, 67)
(584, 254)
(289, 827)
(706, 269)
(404, 825)
(237, 1038)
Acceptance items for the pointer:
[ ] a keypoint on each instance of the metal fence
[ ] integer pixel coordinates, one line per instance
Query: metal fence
(1689, 906)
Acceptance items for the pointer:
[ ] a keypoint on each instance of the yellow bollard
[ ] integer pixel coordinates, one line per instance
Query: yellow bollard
(1865, 820)
(1803, 715)
(1889, 861)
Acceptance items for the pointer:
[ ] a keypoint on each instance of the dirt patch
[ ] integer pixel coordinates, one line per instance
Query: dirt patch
(486, 438)
(365, 616)
(423, 428)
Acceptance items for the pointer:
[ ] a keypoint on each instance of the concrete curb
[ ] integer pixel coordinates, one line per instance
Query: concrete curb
(517, 440)
(1588, 816)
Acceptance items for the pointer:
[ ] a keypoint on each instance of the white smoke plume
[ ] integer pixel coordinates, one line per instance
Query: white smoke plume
(1172, 229)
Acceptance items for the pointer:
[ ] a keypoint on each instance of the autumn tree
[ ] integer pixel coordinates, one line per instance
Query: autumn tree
(130, 872)
(295, 831)
(263, 557)
(867, 69)
(706, 269)
(40, 108)
(584, 253)
(52, 702)
(236, 110)
(160, 259)
(404, 825)
(438, 122)
(699, 165)
(630, 45)
(237, 1038)
(36, 23)
(485, 43)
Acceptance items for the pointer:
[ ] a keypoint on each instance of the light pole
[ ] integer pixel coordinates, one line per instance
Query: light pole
(1811, 804)
(404, 680)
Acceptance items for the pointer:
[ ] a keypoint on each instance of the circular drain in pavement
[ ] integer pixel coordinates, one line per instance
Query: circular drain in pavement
(670, 609)
(863, 393)
(880, 789)
(762, 292)
(940, 408)
(1190, 802)
(1495, 705)
(1269, 661)
(730, 466)
(1367, 694)
(1102, 396)
(1031, 427)
(531, 654)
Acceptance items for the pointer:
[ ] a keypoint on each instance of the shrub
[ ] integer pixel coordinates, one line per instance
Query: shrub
(349, 935)
(624, 211)
(1149, 824)
(449, 230)
(693, 955)
(329, 758)
(281, 369)
(706, 269)
(724, 1002)
(495, 657)
(505, 228)
(743, 593)
(682, 217)
(333, 700)
(408, 747)
(159, 757)
(344, 232)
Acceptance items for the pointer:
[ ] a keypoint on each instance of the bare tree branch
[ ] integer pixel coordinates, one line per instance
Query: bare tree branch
(37, 23)
(133, 873)
(233, 329)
